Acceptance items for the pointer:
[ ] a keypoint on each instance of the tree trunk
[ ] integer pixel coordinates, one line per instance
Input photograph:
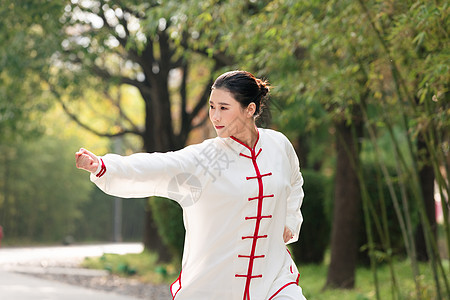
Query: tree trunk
(302, 149)
(346, 214)
(158, 137)
(426, 177)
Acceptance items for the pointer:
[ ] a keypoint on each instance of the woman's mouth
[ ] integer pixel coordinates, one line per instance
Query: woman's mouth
(219, 127)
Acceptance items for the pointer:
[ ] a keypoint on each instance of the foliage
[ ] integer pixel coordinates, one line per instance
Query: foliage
(31, 169)
(96, 224)
(37, 179)
(108, 44)
(25, 51)
(98, 216)
(27, 159)
(315, 233)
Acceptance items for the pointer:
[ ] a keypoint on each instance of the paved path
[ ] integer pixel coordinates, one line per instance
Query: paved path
(62, 254)
(15, 286)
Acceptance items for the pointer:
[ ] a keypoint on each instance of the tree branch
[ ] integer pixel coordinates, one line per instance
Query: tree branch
(121, 111)
(144, 88)
(92, 130)
(202, 101)
(220, 58)
(165, 51)
(77, 120)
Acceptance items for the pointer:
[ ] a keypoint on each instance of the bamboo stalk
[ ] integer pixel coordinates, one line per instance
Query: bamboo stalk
(406, 238)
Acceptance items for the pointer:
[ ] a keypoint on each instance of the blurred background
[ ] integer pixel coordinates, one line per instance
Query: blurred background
(361, 88)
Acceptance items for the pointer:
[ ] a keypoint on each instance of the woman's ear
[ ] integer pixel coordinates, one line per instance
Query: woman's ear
(251, 109)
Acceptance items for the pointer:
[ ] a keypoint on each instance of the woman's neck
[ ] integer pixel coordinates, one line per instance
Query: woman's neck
(249, 136)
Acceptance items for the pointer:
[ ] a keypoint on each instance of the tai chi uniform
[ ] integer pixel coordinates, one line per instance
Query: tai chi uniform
(236, 202)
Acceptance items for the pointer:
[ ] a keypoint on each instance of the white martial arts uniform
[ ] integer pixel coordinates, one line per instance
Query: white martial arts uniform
(236, 202)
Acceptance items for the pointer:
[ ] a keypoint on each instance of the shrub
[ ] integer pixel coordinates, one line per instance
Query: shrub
(168, 217)
(315, 231)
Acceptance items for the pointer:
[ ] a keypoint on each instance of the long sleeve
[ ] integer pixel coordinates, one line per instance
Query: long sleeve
(147, 174)
(294, 216)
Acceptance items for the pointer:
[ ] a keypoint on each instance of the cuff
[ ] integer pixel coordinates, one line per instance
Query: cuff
(101, 170)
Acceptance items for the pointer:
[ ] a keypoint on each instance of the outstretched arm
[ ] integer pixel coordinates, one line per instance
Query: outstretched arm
(86, 160)
(141, 174)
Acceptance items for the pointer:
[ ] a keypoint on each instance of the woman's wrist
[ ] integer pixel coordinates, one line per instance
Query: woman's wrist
(101, 169)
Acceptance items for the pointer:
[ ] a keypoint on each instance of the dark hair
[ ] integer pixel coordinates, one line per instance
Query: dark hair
(244, 87)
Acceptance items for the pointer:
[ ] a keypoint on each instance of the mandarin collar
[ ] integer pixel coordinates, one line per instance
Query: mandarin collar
(239, 147)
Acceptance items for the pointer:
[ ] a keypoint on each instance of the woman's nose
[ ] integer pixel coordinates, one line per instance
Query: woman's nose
(216, 115)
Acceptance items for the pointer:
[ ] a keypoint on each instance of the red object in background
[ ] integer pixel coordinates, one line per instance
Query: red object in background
(1, 235)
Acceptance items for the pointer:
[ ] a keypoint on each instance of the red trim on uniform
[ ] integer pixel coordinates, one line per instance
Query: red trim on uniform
(277, 292)
(179, 288)
(249, 276)
(246, 146)
(287, 284)
(102, 169)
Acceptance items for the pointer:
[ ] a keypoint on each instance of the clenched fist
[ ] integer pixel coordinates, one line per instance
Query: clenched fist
(287, 235)
(86, 160)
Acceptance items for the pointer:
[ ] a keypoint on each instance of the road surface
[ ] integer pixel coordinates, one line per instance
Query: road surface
(18, 286)
(62, 254)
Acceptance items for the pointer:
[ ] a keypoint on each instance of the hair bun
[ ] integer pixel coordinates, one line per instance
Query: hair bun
(263, 87)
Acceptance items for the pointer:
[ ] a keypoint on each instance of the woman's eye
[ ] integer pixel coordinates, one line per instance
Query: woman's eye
(211, 107)
(223, 108)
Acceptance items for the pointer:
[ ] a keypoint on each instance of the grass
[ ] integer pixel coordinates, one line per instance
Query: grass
(142, 266)
(145, 268)
(313, 278)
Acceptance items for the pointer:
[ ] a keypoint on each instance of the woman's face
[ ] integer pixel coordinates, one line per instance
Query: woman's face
(226, 114)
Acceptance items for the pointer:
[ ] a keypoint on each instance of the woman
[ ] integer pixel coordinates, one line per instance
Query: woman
(240, 192)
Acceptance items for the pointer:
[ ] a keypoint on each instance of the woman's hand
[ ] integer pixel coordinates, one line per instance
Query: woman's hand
(287, 235)
(86, 160)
